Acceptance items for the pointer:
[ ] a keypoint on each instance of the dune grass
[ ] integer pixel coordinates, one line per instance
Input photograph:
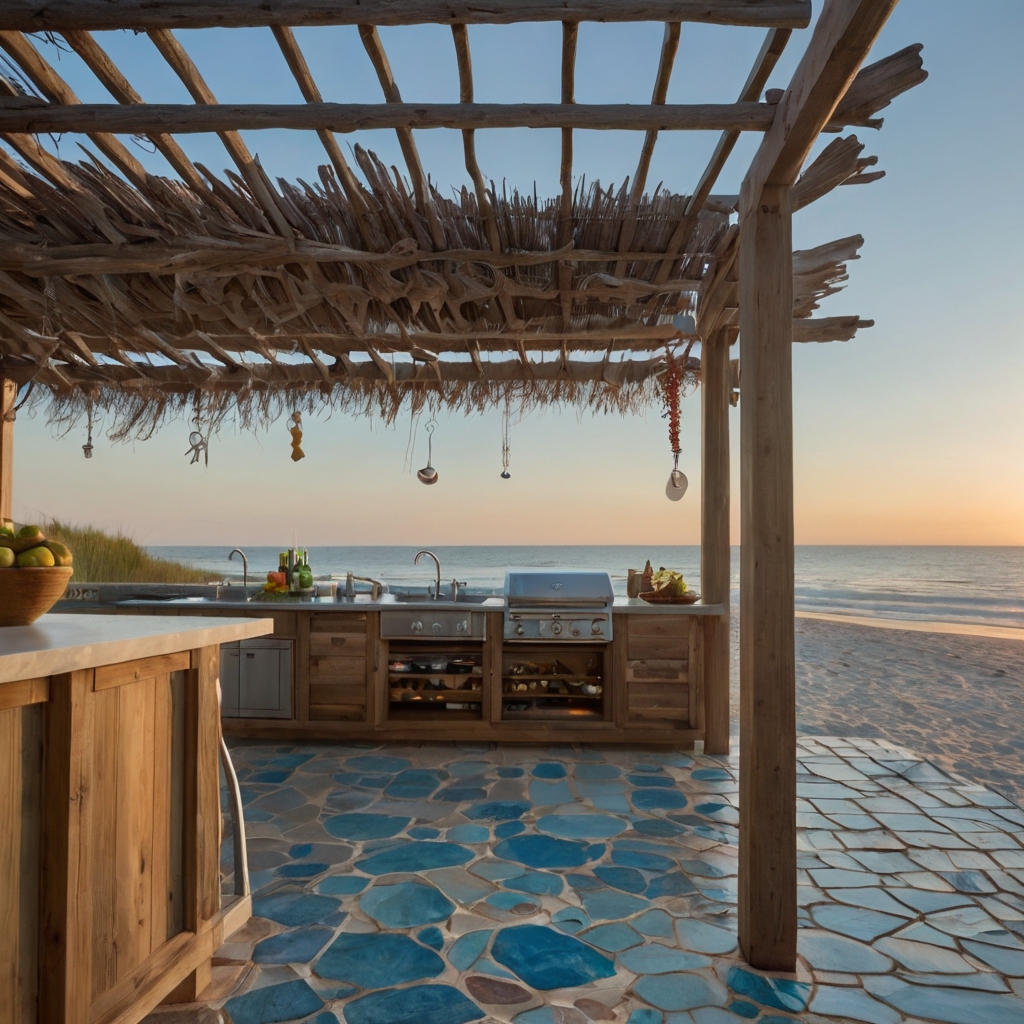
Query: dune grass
(114, 558)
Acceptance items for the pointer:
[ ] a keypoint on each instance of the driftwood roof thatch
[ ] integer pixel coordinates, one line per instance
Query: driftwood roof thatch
(144, 296)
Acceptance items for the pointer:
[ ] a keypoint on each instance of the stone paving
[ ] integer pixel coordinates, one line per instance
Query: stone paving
(442, 884)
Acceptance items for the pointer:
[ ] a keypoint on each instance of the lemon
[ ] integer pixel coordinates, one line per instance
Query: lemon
(61, 554)
(7, 558)
(36, 558)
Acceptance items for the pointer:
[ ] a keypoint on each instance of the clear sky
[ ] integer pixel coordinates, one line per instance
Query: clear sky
(911, 434)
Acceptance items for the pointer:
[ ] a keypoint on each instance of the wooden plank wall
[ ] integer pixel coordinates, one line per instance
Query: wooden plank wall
(340, 675)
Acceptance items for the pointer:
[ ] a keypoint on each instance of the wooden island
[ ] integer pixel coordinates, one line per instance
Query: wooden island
(110, 819)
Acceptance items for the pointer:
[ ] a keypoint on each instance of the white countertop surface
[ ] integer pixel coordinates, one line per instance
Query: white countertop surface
(65, 643)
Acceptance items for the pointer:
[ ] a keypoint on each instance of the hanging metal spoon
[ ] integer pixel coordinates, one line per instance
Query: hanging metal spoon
(428, 475)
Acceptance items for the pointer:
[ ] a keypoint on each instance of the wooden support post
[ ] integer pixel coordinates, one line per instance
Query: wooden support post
(8, 394)
(767, 854)
(715, 567)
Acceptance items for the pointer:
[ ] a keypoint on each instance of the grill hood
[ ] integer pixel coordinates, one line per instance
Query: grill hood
(553, 588)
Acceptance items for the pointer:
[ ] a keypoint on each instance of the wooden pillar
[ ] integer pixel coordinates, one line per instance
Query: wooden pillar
(8, 394)
(715, 569)
(767, 853)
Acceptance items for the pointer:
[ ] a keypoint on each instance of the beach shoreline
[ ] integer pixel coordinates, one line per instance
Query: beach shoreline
(919, 626)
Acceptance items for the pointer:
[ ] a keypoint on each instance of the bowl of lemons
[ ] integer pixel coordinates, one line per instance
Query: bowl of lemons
(34, 574)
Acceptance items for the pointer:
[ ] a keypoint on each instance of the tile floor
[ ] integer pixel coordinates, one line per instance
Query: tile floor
(442, 884)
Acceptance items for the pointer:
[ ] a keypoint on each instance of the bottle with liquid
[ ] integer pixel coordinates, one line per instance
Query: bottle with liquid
(282, 563)
(293, 571)
(305, 574)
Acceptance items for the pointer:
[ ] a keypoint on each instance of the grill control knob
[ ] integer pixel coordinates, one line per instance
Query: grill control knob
(595, 626)
(436, 627)
(519, 630)
(416, 626)
(460, 627)
(556, 628)
(575, 632)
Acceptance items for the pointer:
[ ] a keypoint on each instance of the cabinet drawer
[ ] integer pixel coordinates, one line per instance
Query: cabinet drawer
(337, 693)
(337, 622)
(658, 637)
(323, 669)
(658, 670)
(338, 644)
(658, 701)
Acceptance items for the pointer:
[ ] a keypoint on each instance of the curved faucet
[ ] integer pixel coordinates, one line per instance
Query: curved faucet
(437, 562)
(245, 564)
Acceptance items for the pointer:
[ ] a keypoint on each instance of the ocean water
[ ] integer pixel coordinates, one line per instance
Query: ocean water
(981, 585)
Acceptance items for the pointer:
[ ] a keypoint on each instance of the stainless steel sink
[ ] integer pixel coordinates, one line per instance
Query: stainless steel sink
(463, 598)
(238, 595)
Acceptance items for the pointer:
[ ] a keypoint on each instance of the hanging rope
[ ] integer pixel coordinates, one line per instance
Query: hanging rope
(506, 450)
(200, 445)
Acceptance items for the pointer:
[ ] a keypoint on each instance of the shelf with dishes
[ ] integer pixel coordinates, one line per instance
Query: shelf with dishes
(447, 682)
(571, 685)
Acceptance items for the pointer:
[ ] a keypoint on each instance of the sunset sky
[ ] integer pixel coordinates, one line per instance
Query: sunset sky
(911, 434)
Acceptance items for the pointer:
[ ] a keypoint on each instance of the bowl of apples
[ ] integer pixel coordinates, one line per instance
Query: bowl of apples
(34, 574)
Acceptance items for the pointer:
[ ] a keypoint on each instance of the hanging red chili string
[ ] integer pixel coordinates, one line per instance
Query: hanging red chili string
(673, 379)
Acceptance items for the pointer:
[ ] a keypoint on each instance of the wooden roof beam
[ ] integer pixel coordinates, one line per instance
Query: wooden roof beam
(181, 63)
(296, 61)
(375, 51)
(96, 15)
(570, 35)
(110, 75)
(56, 90)
(842, 38)
(25, 115)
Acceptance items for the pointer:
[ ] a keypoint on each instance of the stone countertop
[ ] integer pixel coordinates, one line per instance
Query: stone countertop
(67, 643)
(622, 605)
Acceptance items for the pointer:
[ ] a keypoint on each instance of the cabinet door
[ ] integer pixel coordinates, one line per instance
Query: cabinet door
(229, 680)
(264, 684)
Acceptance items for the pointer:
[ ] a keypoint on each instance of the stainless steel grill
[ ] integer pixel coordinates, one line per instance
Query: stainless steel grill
(558, 606)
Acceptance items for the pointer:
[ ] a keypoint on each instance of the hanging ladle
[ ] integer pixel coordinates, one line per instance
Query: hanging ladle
(428, 475)
(677, 482)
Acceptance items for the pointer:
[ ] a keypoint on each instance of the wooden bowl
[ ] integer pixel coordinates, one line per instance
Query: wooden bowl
(25, 594)
(655, 597)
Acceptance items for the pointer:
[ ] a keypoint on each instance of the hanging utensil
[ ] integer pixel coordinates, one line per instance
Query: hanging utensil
(506, 449)
(428, 475)
(677, 482)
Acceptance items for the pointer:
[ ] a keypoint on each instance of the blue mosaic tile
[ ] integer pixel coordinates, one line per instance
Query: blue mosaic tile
(487, 966)
(658, 799)
(645, 1015)
(615, 804)
(672, 884)
(293, 907)
(421, 1004)
(626, 879)
(613, 938)
(779, 993)
(856, 922)
(704, 869)
(569, 920)
(406, 905)
(654, 958)
(744, 1009)
(584, 883)
(588, 790)
(271, 776)
(413, 856)
(659, 781)
(639, 859)
(280, 800)
(378, 763)
(432, 937)
(497, 810)
(508, 828)
(300, 870)
(968, 881)
(508, 900)
(547, 959)
(827, 952)
(655, 923)
(496, 870)
(376, 960)
(414, 784)
(549, 770)
(542, 851)
(274, 1003)
(423, 832)
(608, 905)
(550, 794)
(959, 1006)
(540, 883)
(342, 885)
(290, 761)
(510, 772)
(460, 794)
(581, 826)
(467, 948)
(705, 937)
(852, 1003)
(657, 827)
(360, 826)
(365, 781)
(680, 991)
(468, 834)
(710, 808)
(710, 775)
(300, 850)
(294, 947)
(325, 1018)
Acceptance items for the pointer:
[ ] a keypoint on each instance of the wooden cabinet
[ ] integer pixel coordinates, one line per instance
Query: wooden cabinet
(256, 679)
(340, 672)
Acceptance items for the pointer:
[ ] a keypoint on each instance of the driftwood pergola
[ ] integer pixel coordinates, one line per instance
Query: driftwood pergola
(144, 296)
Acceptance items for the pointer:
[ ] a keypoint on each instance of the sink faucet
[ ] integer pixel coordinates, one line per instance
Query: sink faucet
(437, 562)
(245, 564)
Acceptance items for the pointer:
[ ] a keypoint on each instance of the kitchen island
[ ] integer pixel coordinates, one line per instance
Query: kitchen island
(110, 820)
(357, 670)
